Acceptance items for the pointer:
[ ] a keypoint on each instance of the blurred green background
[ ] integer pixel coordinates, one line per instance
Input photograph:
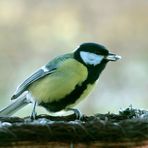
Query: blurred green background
(32, 32)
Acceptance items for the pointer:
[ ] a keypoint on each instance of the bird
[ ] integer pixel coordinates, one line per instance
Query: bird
(62, 82)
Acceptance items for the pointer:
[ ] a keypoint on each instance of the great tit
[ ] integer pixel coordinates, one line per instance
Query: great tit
(64, 81)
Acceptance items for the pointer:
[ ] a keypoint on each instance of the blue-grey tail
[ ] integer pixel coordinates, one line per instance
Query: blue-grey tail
(14, 107)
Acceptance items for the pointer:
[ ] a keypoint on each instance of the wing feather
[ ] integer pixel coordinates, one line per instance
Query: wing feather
(35, 76)
(43, 71)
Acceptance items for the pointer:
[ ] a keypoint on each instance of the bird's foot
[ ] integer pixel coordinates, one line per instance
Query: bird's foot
(33, 115)
(76, 112)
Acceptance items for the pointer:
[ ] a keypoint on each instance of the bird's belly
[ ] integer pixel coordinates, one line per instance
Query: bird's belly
(59, 84)
(79, 93)
(52, 88)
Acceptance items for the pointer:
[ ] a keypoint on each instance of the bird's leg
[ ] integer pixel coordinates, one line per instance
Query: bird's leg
(33, 114)
(76, 112)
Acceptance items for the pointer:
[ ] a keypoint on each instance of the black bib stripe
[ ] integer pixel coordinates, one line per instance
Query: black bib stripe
(93, 74)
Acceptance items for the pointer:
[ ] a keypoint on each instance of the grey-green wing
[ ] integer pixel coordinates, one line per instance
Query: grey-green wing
(43, 71)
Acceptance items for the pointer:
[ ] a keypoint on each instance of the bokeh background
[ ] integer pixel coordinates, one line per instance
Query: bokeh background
(32, 32)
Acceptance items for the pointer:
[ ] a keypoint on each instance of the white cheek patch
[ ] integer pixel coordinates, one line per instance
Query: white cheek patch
(91, 58)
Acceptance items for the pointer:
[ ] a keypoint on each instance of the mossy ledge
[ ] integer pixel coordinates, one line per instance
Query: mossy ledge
(128, 127)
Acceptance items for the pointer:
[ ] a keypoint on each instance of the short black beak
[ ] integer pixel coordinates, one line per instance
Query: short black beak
(112, 57)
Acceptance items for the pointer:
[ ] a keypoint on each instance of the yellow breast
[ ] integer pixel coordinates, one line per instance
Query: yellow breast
(60, 83)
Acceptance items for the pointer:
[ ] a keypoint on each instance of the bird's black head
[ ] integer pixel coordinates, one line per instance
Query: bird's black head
(94, 57)
(93, 54)
(93, 48)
